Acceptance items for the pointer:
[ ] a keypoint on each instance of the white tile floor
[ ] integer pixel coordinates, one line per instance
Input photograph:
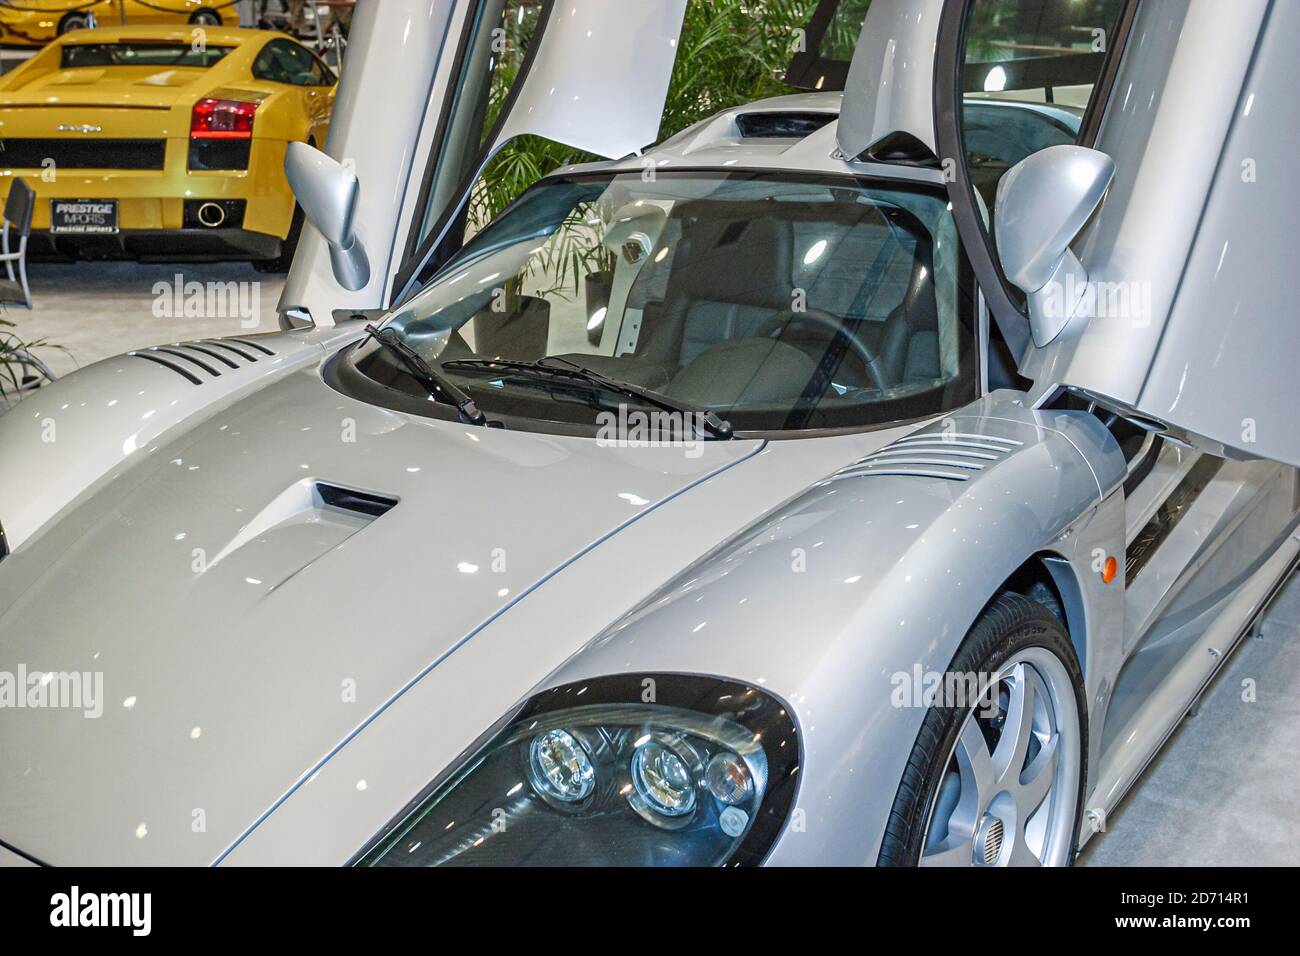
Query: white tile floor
(98, 309)
(1223, 792)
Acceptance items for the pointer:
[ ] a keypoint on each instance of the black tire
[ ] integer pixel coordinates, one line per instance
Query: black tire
(74, 21)
(1010, 624)
(205, 17)
(284, 260)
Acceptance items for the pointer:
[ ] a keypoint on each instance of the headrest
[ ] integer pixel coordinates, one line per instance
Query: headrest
(748, 259)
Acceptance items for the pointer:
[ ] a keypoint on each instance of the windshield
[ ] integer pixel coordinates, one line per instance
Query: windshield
(781, 302)
(141, 54)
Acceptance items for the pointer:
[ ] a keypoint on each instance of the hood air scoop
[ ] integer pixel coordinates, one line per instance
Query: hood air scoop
(307, 520)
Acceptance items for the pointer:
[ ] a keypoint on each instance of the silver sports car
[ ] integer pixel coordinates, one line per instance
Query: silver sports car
(856, 477)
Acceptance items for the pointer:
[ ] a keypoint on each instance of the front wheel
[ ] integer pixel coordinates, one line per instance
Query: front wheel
(998, 782)
(205, 18)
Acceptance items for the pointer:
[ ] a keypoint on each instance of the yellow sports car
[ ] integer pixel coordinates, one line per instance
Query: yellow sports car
(37, 22)
(163, 142)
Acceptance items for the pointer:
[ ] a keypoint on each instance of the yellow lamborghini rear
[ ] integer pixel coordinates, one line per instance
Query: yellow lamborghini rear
(162, 142)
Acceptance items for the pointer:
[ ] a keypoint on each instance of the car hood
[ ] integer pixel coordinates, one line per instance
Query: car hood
(239, 627)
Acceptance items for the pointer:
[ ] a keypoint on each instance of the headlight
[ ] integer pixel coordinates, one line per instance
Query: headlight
(590, 774)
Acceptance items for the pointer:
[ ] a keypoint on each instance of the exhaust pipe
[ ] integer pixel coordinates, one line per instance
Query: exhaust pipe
(212, 214)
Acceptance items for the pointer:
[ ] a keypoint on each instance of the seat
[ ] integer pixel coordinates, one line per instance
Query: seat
(732, 276)
(520, 333)
(909, 344)
(17, 227)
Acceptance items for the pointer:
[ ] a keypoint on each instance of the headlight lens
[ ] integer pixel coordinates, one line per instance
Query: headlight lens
(559, 768)
(590, 774)
(662, 780)
(729, 779)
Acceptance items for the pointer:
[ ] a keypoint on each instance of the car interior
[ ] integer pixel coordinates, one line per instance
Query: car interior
(747, 304)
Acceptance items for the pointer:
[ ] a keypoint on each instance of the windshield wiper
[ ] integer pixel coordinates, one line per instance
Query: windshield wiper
(434, 382)
(555, 366)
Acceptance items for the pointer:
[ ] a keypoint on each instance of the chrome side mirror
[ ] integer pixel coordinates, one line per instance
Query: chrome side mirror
(1043, 202)
(328, 192)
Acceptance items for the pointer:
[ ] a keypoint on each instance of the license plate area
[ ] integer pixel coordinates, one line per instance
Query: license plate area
(96, 217)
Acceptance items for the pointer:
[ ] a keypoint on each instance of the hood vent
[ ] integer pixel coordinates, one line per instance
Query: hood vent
(781, 125)
(958, 457)
(206, 359)
(300, 525)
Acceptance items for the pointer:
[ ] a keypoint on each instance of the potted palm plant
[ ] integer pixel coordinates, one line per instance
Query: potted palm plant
(20, 369)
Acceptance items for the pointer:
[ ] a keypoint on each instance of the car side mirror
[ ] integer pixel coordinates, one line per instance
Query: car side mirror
(1042, 204)
(328, 192)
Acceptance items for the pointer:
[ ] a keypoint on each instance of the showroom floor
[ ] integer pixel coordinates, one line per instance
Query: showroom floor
(98, 309)
(1223, 792)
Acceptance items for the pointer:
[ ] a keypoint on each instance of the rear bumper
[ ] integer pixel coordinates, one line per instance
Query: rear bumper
(151, 206)
(158, 245)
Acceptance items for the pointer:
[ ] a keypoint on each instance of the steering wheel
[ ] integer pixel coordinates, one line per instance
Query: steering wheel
(788, 320)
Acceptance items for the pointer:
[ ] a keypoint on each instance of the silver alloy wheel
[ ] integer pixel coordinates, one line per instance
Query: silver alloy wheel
(1010, 789)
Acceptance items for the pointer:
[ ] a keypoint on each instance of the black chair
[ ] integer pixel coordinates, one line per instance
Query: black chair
(17, 227)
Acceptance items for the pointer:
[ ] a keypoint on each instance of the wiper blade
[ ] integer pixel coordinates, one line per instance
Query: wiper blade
(434, 382)
(714, 423)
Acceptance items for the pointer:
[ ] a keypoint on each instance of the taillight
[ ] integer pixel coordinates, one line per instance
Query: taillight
(222, 119)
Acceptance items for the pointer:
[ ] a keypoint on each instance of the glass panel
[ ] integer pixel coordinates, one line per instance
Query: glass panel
(825, 43)
(726, 57)
(841, 35)
(271, 66)
(501, 37)
(781, 301)
(1029, 71)
(76, 55)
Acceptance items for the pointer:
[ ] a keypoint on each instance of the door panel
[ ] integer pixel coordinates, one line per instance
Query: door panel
(886, 94)
(1216, 357)
(594, 78)
(1185, 320)
(600, 76)
(136, 12)
(491, 59)
(998, 67)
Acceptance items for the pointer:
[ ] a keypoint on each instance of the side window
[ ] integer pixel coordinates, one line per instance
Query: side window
(314, 68)
(708, 75)
(285, 62)
(307, 69)
(1028, 74)
(1014, 77)
(492, 54)
(270, 65)
(823, 50)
